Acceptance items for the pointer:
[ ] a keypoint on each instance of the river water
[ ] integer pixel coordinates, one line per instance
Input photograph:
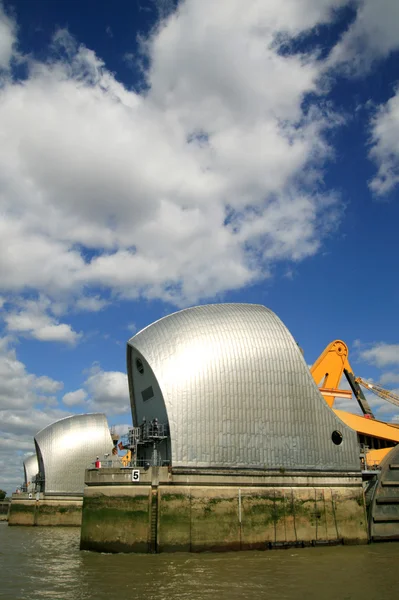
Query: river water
(45, 563)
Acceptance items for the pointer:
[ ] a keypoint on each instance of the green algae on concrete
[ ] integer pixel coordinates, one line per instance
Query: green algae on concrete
(45, 512)
(174, 524)
(56, 515)
(117, 523)
(22, 513)
(214, 519)
(198, 511)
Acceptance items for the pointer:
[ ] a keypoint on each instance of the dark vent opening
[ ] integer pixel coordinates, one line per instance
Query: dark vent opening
(147, 394)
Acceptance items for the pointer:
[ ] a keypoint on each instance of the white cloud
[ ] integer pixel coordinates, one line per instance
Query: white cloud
(194, 188)
(90, 303)
(102, 391)
(389, 377)
(26, 406)
(108, 391)
(373, 34)
(47, 385)
(18, 388)
(33, 320)
(28, 403)
(77, 397)
(7, 38)
(381, 354)
(385, 147)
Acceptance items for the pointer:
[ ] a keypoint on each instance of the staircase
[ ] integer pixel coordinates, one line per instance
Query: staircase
(384, 509)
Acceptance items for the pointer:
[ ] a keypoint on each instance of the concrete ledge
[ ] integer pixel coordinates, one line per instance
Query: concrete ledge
(57, 511)
(163, 475)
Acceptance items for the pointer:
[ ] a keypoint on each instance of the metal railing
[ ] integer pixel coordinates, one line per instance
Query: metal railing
(147, 432)
(150, 462)
(144, 463)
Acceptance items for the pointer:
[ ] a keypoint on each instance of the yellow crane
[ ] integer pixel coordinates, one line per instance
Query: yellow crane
(327, 372)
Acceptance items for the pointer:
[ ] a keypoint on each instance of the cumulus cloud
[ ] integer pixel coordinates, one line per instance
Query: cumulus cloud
(381, 354)
(18, 387)
(389, 377)
(103, 391)
(90, 303)
(47, 385)
(108, 390)
(33, 320)
(373, 35)
(385, 148)
(74, 398)
(26, 406)
(28, 403)
(193, 188)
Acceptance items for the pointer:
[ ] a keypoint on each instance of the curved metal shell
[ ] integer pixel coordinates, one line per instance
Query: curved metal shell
(67, 447)
(31, 468)
(236, 392)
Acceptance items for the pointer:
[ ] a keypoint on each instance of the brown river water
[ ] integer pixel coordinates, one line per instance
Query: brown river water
(46, 563)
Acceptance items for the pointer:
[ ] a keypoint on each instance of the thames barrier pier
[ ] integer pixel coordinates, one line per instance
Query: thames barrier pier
(233, 447)
(54, 476)
(191, 511)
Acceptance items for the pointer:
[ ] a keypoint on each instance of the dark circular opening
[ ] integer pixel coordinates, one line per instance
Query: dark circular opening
(139, 365)
(336, 437)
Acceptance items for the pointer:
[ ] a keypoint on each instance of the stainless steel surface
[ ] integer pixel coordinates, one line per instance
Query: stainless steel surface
(31, 469)
(67, 447)
(234, 387)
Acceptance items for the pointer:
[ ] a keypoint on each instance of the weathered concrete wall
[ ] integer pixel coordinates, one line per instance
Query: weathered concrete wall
(53, 512)
(116, 519)
(214, 518)
(196, 516)
(4, 508)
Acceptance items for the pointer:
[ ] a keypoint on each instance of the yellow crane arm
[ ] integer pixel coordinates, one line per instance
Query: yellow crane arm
(328, 369)
(327, 372)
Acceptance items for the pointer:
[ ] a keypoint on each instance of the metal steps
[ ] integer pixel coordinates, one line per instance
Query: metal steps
(384, 509)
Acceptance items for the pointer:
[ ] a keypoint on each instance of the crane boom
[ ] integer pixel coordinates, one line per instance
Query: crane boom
(327, 372)
(379, 391)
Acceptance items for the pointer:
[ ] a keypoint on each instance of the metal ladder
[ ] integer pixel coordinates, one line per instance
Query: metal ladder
(153, 545)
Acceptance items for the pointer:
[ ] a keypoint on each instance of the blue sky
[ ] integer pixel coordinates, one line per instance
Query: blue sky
(156, 155)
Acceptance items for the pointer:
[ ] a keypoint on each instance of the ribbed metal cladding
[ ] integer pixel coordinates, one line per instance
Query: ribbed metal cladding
(69, 446)
(238, 392)
(31, 468)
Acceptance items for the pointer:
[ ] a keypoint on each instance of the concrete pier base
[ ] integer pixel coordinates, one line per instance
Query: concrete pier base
(193, 511)
(42, 510)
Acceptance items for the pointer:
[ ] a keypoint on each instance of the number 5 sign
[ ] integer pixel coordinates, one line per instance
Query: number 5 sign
(135, 475)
